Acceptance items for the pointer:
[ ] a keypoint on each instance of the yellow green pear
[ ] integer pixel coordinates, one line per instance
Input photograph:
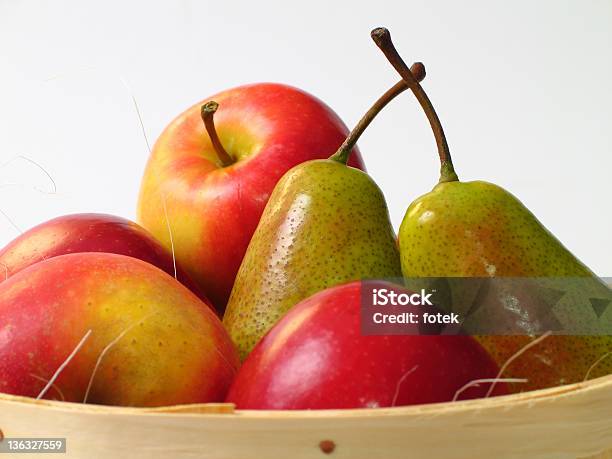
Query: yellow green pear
(325, 224)
(478, 229)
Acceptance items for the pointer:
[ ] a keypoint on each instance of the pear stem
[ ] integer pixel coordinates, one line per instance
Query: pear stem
(208, 112)
(344, 152)
(382, 38)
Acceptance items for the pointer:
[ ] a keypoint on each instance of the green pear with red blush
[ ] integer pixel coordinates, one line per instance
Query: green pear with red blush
(325, 224)
(478, 229)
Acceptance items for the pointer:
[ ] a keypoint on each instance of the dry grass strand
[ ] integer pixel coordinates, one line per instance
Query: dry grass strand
(400, 382)
(478, 382)
(63, 365)
(516, 355)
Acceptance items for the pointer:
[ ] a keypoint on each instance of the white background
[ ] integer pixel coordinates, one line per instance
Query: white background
(523, 89)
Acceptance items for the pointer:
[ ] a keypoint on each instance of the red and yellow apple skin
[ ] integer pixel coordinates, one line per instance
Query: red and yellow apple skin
(213, 210)
(89, 233)
(170, 347)
(315, 357)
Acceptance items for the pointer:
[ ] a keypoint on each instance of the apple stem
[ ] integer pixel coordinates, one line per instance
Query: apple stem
(208, 112)
(382, 38)
(344, 152)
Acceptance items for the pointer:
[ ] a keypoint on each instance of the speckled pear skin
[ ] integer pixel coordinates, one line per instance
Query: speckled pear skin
(478, 229)
(325, 224)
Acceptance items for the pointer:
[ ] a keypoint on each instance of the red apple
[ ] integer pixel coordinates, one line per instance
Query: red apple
(213, 209)
(152, 341)
(315, 357)
(89, 233)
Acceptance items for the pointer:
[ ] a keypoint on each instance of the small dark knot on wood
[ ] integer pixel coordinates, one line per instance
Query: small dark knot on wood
(1, 436)
(327, 446)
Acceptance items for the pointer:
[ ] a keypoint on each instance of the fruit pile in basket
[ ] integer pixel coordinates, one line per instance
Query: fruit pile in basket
(243, 280)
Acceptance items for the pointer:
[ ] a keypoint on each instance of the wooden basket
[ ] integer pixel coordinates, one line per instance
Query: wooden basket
(573, 421)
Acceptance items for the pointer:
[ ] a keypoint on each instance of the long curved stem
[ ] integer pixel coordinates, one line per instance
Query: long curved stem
(343, 153)
(208, 112)
(382, 38)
